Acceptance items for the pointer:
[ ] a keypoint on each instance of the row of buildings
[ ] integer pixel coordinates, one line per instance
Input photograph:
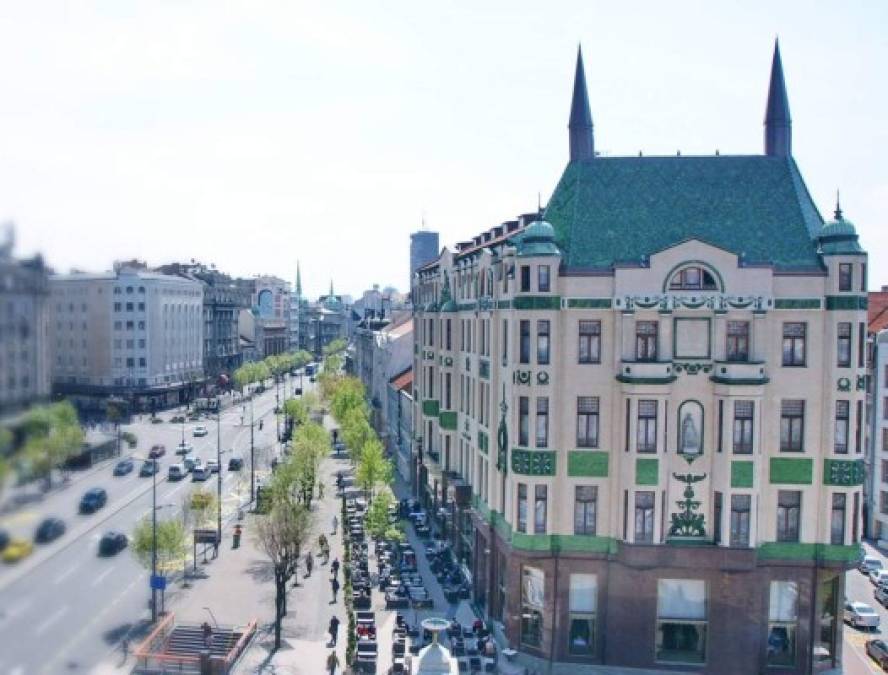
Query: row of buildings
(151, 337)
(651, 419)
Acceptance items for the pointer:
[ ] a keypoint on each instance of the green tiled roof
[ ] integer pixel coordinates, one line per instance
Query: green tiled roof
(612, 210)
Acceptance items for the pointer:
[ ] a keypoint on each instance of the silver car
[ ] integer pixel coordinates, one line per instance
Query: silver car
(861, 615)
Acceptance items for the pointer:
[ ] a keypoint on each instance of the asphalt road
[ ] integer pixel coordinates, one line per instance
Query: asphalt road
(858, 588)
(64, 608)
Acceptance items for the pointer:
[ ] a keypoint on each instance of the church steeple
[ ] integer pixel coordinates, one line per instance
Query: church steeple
(331, 288)
(778, 125)
(582, 143)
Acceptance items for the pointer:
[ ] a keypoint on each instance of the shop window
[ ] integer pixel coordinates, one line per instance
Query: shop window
(783, 617)
(681, 621)
(583, 604)
(532, 604)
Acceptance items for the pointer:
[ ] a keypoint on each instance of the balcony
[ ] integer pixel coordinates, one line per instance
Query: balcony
(739, 373)
(646, 372)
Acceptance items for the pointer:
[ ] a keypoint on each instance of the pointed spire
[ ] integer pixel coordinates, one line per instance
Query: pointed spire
(778, 124)
(298, 281)
(582, 143)
(838, 212)
(331, 288)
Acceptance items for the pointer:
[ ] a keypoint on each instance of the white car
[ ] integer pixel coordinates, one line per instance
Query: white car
(878, 577)
(200, 473)
(861, 615)
(184, 448)
(176, 472)
(199, 431)
(869, 563)
(213, 466)
(881, 595)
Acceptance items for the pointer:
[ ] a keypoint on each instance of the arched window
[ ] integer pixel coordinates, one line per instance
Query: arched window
(693, 279)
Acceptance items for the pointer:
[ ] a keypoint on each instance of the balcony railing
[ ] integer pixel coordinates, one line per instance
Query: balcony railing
(646, 372)
(739, 372)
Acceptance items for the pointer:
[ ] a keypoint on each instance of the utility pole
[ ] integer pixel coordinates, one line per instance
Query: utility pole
(252, 455)
(153, 539)
(218, 473)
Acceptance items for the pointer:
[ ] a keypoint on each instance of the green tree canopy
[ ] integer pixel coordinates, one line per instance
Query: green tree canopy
(373, 468)
(172, 543)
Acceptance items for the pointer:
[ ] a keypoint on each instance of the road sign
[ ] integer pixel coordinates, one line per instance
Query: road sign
(205, 536)
(158, 582)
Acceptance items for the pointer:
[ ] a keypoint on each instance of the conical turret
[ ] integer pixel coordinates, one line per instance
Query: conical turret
(778, 124)
(582, 143)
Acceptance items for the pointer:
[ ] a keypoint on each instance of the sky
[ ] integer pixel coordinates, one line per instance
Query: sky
(254, 134)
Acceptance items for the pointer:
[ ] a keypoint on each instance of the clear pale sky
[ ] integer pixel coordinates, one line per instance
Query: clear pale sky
(250, 134)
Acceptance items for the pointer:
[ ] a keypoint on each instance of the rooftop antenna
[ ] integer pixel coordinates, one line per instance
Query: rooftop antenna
(838, 213)
(424, 227)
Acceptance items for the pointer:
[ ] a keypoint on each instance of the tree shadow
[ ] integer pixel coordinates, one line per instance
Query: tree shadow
(261, 570)
(131, 631)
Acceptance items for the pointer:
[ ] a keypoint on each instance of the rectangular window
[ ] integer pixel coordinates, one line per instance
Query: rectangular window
(858, 431)
(646, 434)
(794, 344)
(843, 345)
(737, 347)
(644, 517)
(524, 353)
(539, 509)
(855, 519)
(523, 421)
(883, 503)
(717, 518)
(583, 607)
(543, 281)
(861, 344)
(863, 277)
(590, 342)
(543, 342)
(741, 506)
(645, 340)
(783, 617)
(681, 621)
(142, 362)
(792, 425)
(837, 519)
(522, 507)
(532, 604)
(840, 440)
(542, 422)
(789, 505)
(587, 422)
(585, 509)
(743, 420)
(525, 278)
(884, 464)
(505, 341)
(721, 423)
(845, 276)
(447, 391)
(447, 336)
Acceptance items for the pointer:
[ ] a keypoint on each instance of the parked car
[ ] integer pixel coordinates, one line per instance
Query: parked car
(878, 576)
(191, 462)
(93, 499)
(213, 466)
(861, 615)
(235, 464)
(49, 530)
(157, 451)
(881, 595)
(176, 472)
(184, 448)
(200, 473)
(877, 650)
(112, 543)
(869, 563)
(123, 467)
(17, 549)
(149, 468)
(200, 430)
(4, 539)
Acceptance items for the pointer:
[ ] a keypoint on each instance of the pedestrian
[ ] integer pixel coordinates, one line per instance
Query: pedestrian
(236, 537)
(334, 630)
(309, 563)
(207, 634)
(322, 541)
(320, 489)
(335, 524)
(335, 567)
(334, 585)
(332, 662)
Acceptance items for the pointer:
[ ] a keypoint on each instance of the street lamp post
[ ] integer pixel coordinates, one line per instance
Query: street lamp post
(252, 455)
(218, 473)
(153, 534)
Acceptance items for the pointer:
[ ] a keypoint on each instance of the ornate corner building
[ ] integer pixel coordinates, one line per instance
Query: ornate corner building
(639, 414)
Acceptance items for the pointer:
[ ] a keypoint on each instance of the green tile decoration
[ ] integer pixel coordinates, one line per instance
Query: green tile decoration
(589, 303)
(791, 471)
(537, 302)
(742, 474)
(797, 303)
(484, 368)
(808, 552)
(647, 471)
(587, 463)
(845, 472)
(430, 408)
(852, 302)
(447, 419)
(533, 462)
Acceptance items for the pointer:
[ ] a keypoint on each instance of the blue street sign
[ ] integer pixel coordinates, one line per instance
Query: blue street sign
(158, 582)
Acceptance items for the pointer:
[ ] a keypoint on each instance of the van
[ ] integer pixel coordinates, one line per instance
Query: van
(200, 473)
(869, 563)
(176, 472)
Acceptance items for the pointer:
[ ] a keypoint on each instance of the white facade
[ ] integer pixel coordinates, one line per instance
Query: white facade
(878, 465)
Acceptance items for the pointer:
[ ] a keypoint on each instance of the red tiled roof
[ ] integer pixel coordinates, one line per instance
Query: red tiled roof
(403, 381)
(877, 314)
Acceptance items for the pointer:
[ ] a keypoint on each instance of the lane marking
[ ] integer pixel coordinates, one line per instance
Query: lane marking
(104, 575)
(58, 614)
(67, 573)
(16, 610)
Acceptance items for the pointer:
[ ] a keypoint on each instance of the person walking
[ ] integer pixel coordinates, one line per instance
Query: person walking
(334, 630)
(332, 662)
(309, 563)
(334, 585)
(335, 524)
(335, 567)
(320, 489)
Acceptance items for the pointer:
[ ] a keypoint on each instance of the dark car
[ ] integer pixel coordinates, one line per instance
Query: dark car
(49, 530)
(123, 467)
(4, 539)
(157, 451)
(235, 464)
(877, 650)
(112, 543)
(93, 499)
(149, 468)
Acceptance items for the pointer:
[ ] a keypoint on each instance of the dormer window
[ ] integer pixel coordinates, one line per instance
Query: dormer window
(693, 279)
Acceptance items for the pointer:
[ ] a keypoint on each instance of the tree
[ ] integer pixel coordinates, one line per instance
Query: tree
(298, 410)
(52, 435)
(172, 543)
(373, 469)
(202, 505)
(377, 521)
(335, 347)
(281, 535)
(356, 432)
(347, 396)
